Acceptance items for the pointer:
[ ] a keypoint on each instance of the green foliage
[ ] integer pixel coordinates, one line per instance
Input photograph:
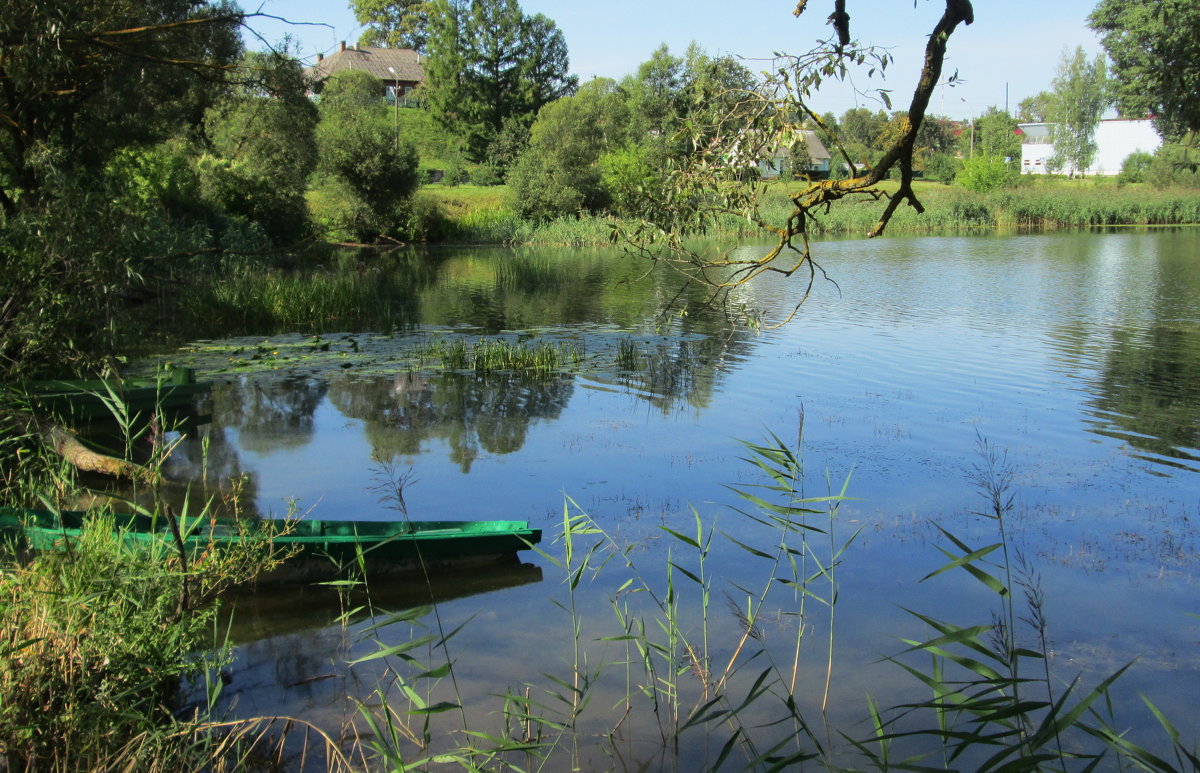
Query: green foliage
(1135, 167)
(75, 92)
(942, 167)
(97, 640)
(559, 172)
(159, 177)
(985, 173)
(489, 63)
(1175, 164)
(366, 170)
(1080, 96)
(393, 23)
(1154, 48)
(631, 176)
(992, 134)
(1038, 108)
(263, 147)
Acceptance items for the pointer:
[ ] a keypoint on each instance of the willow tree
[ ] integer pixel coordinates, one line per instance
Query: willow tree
(717, 179)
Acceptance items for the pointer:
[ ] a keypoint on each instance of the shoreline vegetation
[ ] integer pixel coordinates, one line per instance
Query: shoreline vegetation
(480, 215)
(112, 641)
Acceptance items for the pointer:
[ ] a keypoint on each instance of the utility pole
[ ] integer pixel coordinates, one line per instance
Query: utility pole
(395, 106)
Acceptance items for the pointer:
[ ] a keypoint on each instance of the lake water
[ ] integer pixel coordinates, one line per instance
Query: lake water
(1076, 355)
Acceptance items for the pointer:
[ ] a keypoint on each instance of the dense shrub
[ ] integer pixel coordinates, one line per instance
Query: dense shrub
(985, 173)
(1176, 164)
(366, 171)
(1134, 167)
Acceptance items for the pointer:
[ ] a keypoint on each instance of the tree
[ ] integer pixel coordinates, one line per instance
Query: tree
(490, 63)
(368, 168)
(1154, 46)
(81, 80)
(653, 93)
(710, 184)
(393, 23)
(992, 134)
(559, 173)
(1080, 97)
(262, 147)
(860, 132)
(1036, 109)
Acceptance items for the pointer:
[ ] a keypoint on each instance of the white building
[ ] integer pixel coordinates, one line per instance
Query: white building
(1115, 139)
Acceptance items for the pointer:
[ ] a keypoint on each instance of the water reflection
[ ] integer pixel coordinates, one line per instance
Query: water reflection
(1141, 334)
(1079, 353)
(468, 411)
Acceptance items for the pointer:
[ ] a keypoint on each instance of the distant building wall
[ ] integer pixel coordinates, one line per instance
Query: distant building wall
(1115, 140)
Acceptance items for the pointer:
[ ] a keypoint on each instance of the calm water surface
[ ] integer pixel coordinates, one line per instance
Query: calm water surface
(1078, 355)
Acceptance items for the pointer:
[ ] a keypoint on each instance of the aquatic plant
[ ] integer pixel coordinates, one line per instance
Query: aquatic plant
(489, 355)
(719, 697)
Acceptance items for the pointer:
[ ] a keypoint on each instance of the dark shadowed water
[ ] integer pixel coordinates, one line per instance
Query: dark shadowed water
(1077, 355)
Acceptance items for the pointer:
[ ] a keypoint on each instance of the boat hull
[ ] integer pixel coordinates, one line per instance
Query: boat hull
(317, 549)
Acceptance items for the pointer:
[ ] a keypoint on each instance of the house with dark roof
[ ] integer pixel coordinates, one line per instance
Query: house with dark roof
(400, 69)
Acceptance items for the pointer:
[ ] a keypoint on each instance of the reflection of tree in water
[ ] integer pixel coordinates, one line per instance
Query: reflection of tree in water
(208, 467)
(469, 412)
(1150, 390)
(1147, 388)
(270, 414)
(668, 370)
(511, 290)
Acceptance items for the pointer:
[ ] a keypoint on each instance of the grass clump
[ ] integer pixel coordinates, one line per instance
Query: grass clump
(499, 355)
(97, 639)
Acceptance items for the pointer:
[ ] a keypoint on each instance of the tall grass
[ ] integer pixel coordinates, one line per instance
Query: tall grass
(947, 209)
(251, 297)
(98, 638)
(719, 698)
(489, 355)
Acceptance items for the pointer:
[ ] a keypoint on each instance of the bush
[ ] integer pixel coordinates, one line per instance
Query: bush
(362, 160)
(1134, 168)
(97, 640)
(942, 167)
(985, 173)
(1177, 164)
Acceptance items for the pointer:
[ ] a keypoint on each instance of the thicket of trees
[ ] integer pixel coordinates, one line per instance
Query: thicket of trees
(491, 66)
(139, 139)
(138, 136)
(606, 147)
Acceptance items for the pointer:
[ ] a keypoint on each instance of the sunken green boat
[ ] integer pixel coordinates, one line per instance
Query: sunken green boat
(174, 388)
(317, 549)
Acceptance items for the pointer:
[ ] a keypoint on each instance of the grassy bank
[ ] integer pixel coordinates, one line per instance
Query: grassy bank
(474, 215)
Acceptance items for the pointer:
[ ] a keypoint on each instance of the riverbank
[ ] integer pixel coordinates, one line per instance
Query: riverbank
(478, 215)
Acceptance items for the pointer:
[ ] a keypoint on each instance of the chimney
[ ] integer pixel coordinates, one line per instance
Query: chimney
(343, 48)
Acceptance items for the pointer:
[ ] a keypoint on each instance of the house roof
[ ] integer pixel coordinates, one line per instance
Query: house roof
(816, 149)
(405, 62)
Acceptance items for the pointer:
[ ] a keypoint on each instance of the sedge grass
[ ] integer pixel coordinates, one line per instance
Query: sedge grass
(948, 209)
(493, 355)
(722, 702)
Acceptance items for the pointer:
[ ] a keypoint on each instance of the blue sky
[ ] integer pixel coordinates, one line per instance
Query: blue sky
(1013, 42)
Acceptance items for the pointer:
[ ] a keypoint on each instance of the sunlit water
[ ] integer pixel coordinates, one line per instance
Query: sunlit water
(1076, 355)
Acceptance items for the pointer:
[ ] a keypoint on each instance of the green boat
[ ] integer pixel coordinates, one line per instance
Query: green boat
(91, 398)
(319, 549)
